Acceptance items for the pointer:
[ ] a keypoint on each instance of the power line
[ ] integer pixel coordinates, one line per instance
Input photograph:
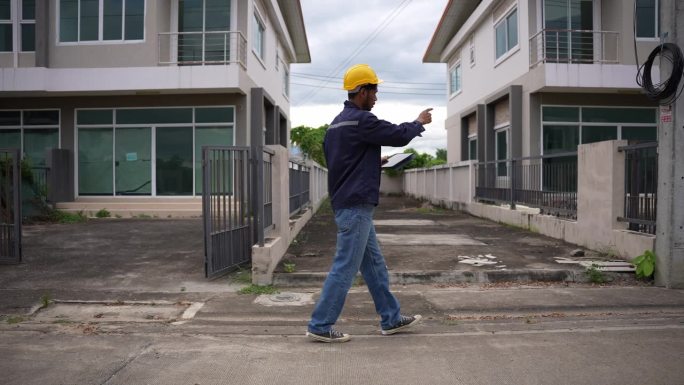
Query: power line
(383, 92)
(316, 76)
(390, 17)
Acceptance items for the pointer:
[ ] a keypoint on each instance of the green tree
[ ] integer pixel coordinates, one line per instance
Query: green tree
(423, 160)
(310, 141)
(441, 154)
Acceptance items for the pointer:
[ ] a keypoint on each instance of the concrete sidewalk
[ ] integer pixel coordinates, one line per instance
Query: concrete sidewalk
(163, 259)
(425, 244)
(128, 304)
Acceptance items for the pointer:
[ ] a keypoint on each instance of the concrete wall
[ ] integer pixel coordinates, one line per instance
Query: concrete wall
(265, 258)
(600, 201)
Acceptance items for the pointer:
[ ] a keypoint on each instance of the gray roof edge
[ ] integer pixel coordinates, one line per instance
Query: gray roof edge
(294, 19)
(454, 16)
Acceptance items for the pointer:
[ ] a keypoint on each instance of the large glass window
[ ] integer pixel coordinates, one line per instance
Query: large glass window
(565, 22)
(566, 127)
(174, 135)
(455, 79)
(133, 161)
(95, 174)
(79, 20)
(32, 131)
(647, 25)
(203, 26)
(506, 32)
(592, 134)
(209, 136)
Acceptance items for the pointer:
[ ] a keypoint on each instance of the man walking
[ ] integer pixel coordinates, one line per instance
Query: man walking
(352, 151)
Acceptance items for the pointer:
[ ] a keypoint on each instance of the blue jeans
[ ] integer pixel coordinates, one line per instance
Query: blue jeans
(357, 249)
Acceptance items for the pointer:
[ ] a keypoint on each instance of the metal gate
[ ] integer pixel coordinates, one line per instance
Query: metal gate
(226, 207)
(10, 206)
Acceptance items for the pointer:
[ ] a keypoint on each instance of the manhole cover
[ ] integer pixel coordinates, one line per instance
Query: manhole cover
(285, 297)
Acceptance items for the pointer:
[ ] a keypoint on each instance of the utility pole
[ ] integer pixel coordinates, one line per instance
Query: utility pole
(669, 246)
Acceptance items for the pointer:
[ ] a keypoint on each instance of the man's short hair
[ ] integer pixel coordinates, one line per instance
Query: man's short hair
(371, 87)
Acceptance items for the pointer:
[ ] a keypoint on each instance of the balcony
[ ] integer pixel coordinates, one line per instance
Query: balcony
(574, 46)
(202, 48)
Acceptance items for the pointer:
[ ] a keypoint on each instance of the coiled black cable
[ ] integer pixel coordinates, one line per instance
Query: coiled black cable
(664, 92)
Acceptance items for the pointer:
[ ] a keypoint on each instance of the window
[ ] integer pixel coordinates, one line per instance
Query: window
(506, 32)
(565, 127)
(472, 148)
(259, 32)
(471, 52)
(5, 26)
(148, 151)
(647, 19)
(501, 151)
(28, 25)
(122, 20)
(286, 82)
(32, 131)
(25, 27)
(455, 79)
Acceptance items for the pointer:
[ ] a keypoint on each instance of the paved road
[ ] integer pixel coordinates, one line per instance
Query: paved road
(512, 335)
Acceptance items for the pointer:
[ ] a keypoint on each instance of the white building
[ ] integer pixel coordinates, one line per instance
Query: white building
(131, 89)
(538, 77)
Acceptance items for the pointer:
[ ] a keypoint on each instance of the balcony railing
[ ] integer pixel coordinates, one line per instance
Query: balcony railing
(574, 46)
(200, 48)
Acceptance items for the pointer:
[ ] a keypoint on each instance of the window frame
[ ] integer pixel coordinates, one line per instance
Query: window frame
(472, 139)
(503, 21)
(115, 124)
(23, 22)
(259, 29)
(457, 68)
(100, 19)
(286, 82)
(579, 124)
(22, 127)
(16, 22)
(656, 32)
(12, 27)
(504, 128)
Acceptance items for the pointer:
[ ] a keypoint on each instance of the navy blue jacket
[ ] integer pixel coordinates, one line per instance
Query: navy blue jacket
(352, 151)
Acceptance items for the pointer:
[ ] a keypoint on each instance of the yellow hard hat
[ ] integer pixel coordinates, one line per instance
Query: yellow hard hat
(358, 75)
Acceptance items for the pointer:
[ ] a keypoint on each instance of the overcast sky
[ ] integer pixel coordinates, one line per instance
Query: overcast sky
(389, 35)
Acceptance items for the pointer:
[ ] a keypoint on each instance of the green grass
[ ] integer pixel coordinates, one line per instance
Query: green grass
(103, 213)
(242, 276)
(66, 217)
(258, 290)
(595, 275)
(325, 208)
(14, 319)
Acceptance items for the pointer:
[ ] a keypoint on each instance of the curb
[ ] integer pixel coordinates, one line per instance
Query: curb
(445, 277)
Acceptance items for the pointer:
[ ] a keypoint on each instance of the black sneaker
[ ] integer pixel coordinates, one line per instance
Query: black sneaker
(404, 323)
(331, 336)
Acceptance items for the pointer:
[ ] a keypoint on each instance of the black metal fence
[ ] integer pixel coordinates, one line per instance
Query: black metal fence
(641, 186)
(226, 205)
(268, 188)
(548, 182)
(299, 186)
(10, 206)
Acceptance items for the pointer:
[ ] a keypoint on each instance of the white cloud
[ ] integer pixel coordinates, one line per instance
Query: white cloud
(336, 28)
